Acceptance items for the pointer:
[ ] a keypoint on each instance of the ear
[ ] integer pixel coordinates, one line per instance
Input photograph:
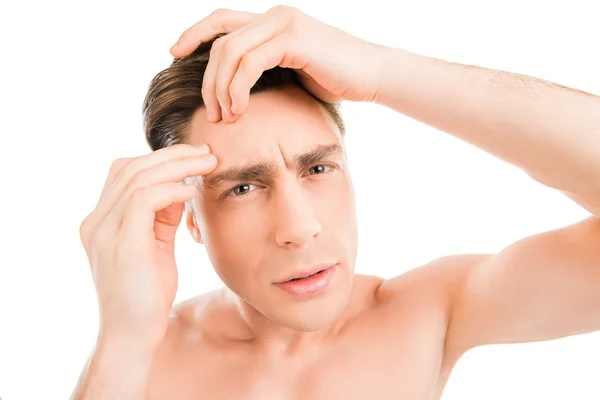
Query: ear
(192, 225)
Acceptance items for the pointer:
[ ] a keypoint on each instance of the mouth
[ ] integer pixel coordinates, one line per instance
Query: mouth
(308, 283)
(305, 274)
(304, 277)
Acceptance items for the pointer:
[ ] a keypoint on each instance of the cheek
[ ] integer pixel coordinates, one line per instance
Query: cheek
(235, 226)
(231, 242)
(336, 202)
(338, 217)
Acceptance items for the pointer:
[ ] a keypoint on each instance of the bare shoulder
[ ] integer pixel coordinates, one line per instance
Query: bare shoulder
(425, 294)
(196, 317)
(439, 277)
(411, 314)
(188, 311)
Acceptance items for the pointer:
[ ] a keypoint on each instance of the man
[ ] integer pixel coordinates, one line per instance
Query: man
(272, 199)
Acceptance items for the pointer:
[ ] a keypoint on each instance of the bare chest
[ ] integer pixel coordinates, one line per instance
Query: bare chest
(367, 370)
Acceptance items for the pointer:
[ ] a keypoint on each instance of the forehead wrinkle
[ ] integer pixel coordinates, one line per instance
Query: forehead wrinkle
(266, 169)
(250, 172)
(317, 154)
(286, 161)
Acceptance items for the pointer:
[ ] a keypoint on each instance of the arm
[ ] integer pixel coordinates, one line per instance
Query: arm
(115, 370)
(545, 286)
(542, 287)
(549, 131)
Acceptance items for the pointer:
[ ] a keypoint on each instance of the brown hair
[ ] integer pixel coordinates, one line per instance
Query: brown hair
(174, 94)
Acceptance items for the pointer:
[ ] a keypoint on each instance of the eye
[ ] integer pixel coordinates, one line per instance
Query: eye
(241, 189)
(319, 169)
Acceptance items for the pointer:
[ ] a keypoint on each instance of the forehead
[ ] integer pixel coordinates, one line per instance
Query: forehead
(286, 121)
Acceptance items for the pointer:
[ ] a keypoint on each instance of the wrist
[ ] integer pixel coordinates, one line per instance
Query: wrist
(397, 67)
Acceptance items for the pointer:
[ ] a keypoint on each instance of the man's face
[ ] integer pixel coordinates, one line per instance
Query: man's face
(295, 212)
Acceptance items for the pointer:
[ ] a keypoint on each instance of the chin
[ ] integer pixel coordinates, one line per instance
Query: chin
(311, 314)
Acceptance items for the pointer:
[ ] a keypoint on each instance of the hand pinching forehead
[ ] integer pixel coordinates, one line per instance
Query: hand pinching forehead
(129, 238)
(283, 36)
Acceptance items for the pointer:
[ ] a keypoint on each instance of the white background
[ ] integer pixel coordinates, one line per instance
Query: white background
(74, 75)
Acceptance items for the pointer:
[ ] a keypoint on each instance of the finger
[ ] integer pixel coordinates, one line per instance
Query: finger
(237, 44)
(170, 171)
(124, 172)
(138, 219)
(209, 94)
(131, 168)
(220, 21)
(275, 52)
(114, 171)
(166, 223)
(161, 155)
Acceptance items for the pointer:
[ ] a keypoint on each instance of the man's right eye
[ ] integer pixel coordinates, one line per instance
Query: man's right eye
(241, 189)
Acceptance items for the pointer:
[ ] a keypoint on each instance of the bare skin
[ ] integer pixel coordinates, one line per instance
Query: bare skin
(220, 347)
(388, 329)
(363, 337)
(404, 359)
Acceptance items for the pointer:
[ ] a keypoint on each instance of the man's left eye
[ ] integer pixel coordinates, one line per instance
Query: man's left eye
(318, 169)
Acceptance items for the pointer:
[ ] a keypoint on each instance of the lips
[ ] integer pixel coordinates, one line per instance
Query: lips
(317, 282)
(305, 273)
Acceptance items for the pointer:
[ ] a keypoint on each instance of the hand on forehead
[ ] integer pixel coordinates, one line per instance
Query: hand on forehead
(278, 125)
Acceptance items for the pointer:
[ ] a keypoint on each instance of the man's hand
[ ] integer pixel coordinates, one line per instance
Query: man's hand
(332, 64)
(130, 236)
(129, 239)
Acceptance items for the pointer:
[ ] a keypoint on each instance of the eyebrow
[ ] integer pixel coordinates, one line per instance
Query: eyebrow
(266, 168)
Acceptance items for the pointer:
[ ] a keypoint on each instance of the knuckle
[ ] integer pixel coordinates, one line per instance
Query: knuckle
(249, 63)
(84, 230)
(286, 9)
(278, 8)
(119, 164)
(217, 45)
(120, 167)
(129, 169)
(228, 46)
(219, 12)
(139, 195)
(214, 52)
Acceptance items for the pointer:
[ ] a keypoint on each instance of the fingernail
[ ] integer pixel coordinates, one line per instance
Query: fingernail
(210, 158)
(203, 148)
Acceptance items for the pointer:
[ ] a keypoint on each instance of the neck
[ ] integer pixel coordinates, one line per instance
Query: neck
(270, 337)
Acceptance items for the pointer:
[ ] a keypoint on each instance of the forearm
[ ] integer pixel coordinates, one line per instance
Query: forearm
(116, 370)
(549, 131)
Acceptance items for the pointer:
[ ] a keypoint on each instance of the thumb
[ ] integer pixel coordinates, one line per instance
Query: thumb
(316, 89)
(166, 223)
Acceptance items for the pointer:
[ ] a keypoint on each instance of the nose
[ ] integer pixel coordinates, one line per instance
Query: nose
(296, 224)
